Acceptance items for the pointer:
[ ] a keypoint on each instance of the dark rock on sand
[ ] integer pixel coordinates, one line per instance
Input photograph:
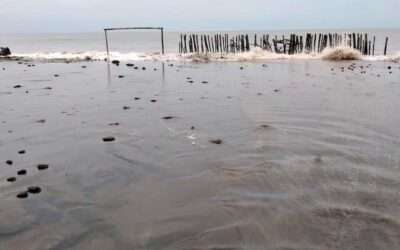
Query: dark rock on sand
(114, 124)
(116, 62)
(204, 82)
(265, 126)
(137, 98)
(41, 121)
(83, 67)
(192, 128)
(143, 68)
(42, 167)
(9, 162)
(126, 107)
(48, 88)
(216, 141)
(21, 152)
(56, 75)
(22, 195)
(121, 76)
(168, 117)
(12, 179)
(153, 100)
(22, 172)
(276, 90)
(17, 86)
(130, 64)
(34, 190)
(136, 67)
(5, 51)
(108, 139)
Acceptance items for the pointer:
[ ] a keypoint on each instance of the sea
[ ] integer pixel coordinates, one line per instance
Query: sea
(146, 45)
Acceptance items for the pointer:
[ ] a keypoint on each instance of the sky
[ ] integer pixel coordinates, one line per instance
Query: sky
(42, 16)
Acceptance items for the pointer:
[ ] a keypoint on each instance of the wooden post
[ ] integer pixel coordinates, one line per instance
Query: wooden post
(162, 41)
(373, 47)
(108, 51)
(386, 45)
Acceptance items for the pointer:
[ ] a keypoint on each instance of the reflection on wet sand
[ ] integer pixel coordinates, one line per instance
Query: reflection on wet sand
(278, 155)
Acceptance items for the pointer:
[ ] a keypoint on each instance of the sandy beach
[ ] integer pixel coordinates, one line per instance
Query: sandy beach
(283, 154)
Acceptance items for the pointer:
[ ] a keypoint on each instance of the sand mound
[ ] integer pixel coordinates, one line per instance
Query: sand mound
(341, 54)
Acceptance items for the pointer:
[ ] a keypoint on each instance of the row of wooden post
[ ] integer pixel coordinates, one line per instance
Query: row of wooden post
(294, 44)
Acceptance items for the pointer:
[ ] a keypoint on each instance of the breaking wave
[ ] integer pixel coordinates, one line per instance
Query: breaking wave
(256, 54)
(341, 54)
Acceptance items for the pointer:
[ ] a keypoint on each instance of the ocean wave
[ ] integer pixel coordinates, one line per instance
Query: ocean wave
(255, 55)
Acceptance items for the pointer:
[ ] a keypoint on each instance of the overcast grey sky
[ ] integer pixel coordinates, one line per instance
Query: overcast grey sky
(32, 16)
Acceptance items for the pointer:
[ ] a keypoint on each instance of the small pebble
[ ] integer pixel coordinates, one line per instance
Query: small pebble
(21, 152)
(216, 141)
(56, 75)
(34, 190)
(114, 124)
(17, 86)
(137, 98)
(22, 195)
(41, 121)
(108, 139)
(143, 68)
(153, 100)
(12, 179)
(130, 65)
(22, 172)
(9, 162)
(168, 117)
(121, 76)
(192, 128)
(126, 107)
(42, 167)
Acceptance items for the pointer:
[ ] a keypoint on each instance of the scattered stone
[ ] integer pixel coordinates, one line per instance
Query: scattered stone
(259, 94)
(17, 86)
(41, 121)
(204, 82)
(48, 88)
(265, 126)
(153, 100)
(56, 75)
(12, 179)
(241, 67)
(264, 65)
(192, 128)
(216, 141)
(389, 67)
(34, 190)
(42, 167)
(22, 172)
(5, 51)
(115, 62)
(130, 64)
(143, 68)
(318, 159)
(276, 90)
(155, 69)
(126, 107)
(83, 67)
(22, 195)
(121, 76)
(190, 81)
(137, 98)
(9, 162)
(21, 152)
(108, 139)
(171, 65)
(168, 117)
(136, 67)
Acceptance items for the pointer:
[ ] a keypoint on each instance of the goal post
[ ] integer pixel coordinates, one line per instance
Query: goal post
(161, 29)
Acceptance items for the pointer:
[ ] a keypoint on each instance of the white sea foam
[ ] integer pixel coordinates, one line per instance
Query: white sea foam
(256, 54)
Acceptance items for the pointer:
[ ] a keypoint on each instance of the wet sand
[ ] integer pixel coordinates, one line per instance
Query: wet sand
(273, 155)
